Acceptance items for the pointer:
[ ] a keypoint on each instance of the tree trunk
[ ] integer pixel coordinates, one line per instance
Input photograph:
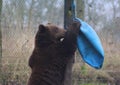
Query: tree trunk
(80, 8)
(80, 14)
(0, 36)
(30, 14)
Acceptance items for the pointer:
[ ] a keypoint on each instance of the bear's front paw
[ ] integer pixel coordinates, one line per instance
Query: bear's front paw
(76, 26)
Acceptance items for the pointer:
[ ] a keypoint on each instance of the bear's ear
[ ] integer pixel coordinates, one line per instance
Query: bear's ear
(42, 28)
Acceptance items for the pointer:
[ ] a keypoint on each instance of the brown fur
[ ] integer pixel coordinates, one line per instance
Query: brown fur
(54, 47)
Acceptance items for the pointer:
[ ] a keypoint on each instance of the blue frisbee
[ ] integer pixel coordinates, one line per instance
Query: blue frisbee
(89, 45)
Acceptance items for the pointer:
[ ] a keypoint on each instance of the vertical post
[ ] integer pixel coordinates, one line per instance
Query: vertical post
(67, 21)
(67, 12)
(68, 15)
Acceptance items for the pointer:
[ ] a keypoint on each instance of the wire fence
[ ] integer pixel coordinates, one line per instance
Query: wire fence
(20, 20)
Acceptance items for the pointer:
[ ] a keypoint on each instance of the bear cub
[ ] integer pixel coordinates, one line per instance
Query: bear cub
(54, 47)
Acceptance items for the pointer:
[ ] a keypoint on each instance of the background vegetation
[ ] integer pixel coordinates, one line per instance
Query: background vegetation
(19, 22)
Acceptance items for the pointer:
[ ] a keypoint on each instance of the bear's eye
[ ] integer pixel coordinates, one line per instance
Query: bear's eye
(61, 39)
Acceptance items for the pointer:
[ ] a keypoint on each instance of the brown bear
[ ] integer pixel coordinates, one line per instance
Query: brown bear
(54, 48)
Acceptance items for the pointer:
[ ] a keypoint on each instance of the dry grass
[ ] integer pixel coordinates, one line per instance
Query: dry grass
(16, 52)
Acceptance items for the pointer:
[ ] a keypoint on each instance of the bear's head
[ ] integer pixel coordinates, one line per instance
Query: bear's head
(48, 35)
